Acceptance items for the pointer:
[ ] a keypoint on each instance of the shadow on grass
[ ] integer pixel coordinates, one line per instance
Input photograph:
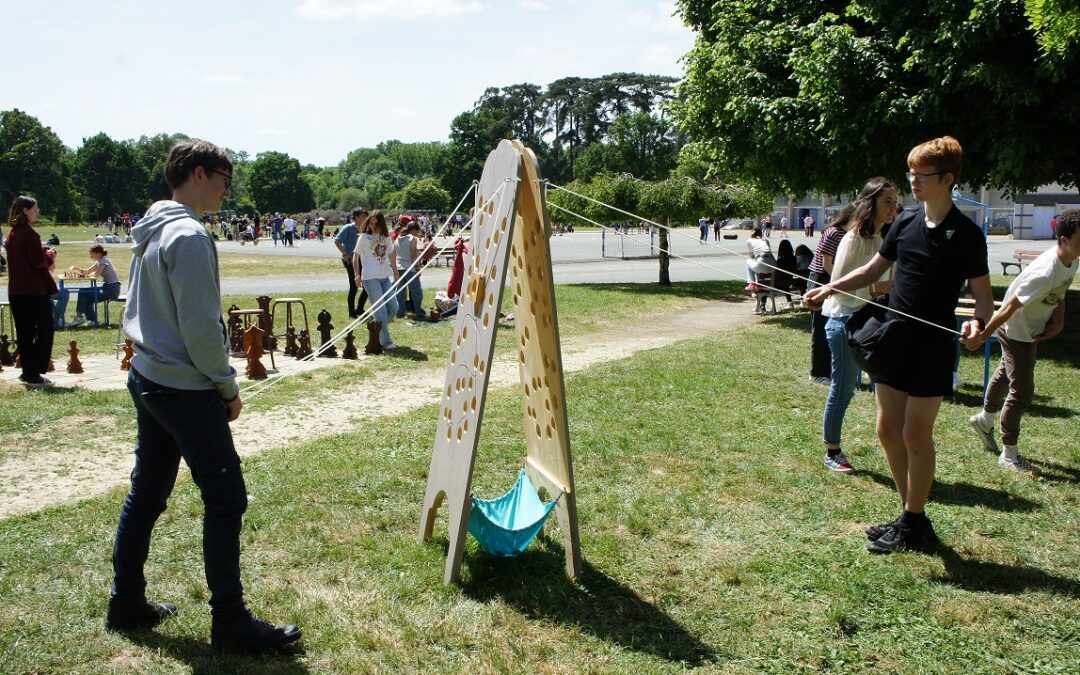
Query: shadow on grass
(970, 396)
(963, 494)
(991, 577)
(205, 660)
(702, 290)
(1056, 473)
(407, 353)
(536, 584)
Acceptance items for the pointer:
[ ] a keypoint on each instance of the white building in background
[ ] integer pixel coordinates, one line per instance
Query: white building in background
(1028, 216)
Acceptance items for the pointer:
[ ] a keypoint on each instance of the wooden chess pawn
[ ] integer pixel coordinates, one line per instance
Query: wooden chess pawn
(290, 341)
(253, 349)
(6, 358)
(74, 365)
(350, 347)
(51, 367)
(373, 346)
(125, 364)
(305, 345)
(326, 347)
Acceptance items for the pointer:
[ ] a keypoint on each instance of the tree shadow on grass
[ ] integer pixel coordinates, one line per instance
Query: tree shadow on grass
(535, 583)
(963, 494)
(970, 396)
(407, 353)
(991, 577)
(205, 660)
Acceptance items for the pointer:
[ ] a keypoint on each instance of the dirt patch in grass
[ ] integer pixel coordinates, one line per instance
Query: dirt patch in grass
(78, 470)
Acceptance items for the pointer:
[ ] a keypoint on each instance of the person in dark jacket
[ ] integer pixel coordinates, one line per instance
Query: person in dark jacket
(30, 287)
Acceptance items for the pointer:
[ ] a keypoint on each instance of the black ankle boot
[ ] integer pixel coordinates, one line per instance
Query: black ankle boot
(124, 615)
(252, 634)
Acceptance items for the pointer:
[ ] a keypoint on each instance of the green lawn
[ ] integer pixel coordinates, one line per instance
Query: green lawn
(712, 538)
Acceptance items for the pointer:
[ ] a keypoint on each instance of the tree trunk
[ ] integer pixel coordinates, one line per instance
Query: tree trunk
(665, 260)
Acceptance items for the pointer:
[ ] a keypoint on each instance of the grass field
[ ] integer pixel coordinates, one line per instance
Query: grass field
(712, 537)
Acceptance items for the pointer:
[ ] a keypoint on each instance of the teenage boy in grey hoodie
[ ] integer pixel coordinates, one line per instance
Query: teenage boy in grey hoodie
(185, 395)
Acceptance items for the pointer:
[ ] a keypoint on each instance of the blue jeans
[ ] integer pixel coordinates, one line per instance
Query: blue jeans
(416, 298)
(86, 303)
(175, 423)
(844, 374)
(376, 289)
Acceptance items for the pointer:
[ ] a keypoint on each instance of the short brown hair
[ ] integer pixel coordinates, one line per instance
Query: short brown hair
(1067, 224)
(99, 249)
(944, 154)
(189, 153)
(359, 211)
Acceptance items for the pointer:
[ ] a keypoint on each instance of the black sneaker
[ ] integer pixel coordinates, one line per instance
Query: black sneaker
(901, 537)
(252, 634)
(124, 615)
(876, 531)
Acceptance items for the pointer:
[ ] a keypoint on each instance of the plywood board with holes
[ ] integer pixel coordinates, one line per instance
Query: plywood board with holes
(548, 461)
(461, 411)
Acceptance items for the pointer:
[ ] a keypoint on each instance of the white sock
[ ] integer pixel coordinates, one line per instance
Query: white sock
(1010, 452)
(987, 420)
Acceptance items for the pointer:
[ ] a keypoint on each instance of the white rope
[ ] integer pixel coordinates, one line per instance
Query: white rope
(728, 250)
(403, 280)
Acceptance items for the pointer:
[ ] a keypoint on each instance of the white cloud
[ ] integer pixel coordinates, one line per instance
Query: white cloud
(270, 131)
(534, 5)
(661, 19)
(528, 50)
(223, 78)
(386, 9)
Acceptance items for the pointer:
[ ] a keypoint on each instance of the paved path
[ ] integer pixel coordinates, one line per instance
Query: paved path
(576, 259)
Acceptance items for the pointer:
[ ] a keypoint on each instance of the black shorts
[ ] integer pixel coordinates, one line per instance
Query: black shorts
(927, 363)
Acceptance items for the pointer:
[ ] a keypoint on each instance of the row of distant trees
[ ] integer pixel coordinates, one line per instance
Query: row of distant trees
(578, 127)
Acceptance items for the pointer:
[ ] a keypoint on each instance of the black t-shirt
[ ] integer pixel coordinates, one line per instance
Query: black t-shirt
(932, 264)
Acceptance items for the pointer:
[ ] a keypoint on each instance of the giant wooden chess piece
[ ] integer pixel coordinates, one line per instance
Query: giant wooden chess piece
(305, 345)
(253, 349)
(290, 341)
(51, 367)
(373, 346)
(264, 319)
(326, 348)
(350, 347)
(236, 332)
(125, 364)
(74, 365)
(6, 358)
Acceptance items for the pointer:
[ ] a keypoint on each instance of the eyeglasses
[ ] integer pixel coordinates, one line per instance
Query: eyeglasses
(911, 175)
(227, 176)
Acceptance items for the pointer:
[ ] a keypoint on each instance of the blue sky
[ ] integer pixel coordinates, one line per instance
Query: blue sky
(314, 78)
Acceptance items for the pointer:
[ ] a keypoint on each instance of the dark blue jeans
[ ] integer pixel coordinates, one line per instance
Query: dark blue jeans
(175, 423)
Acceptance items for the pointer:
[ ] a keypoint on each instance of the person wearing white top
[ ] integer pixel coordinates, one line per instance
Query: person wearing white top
(289, 225)
(374, 256)
(1033, 311)
(760, 259)
(874, 209)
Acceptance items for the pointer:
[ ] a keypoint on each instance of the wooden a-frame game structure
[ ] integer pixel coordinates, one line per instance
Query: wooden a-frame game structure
(511, 228)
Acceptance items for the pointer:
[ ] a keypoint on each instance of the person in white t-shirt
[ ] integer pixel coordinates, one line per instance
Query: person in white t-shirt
(1033, 311)
(760, 259)
(289, 225)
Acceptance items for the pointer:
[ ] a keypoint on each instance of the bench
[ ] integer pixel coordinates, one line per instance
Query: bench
(444, 254)
(1021, 256)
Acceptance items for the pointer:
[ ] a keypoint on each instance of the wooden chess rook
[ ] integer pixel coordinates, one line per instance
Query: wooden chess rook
(374, 345)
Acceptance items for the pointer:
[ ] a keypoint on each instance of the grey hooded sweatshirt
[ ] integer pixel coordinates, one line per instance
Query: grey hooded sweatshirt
(173, 314)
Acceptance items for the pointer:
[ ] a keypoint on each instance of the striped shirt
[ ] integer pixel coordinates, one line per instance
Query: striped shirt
(830, 241)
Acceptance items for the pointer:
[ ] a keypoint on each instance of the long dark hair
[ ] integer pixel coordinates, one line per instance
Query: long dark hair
(380, 223)
(842, 217)
(785, 250)
(862, 218)
(16, 216)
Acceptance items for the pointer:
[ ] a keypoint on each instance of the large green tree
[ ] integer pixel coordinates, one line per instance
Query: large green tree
(798, 96)
(425, 194)
(34, 161)
(110, 176)
(276, 183)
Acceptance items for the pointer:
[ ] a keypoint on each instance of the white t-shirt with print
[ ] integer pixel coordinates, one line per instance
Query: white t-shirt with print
(1039, 288)
(374, 250)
